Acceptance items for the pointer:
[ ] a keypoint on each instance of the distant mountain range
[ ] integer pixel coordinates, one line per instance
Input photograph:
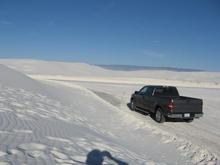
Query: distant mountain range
(135, 68)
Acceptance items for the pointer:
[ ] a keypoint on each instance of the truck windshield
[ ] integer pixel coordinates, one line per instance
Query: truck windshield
(166, 91)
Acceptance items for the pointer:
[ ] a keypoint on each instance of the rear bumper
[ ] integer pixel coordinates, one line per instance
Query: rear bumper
(181, 115)
(198, 115)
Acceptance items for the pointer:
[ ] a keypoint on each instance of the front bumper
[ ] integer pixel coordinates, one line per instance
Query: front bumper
(197, 115)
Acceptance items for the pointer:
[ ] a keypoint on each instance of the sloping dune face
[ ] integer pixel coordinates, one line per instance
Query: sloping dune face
(37, 129)
(13, 78)
(53, 68)
(49, 124)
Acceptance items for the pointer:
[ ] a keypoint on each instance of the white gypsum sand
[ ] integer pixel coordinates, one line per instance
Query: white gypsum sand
(66, 116)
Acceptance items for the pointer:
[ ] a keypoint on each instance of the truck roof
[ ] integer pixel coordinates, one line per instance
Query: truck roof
(160, 86)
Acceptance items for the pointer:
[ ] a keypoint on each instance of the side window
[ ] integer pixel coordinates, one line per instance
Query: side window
(143, 91)
(166, 91)
(149, 91)
(158, 92)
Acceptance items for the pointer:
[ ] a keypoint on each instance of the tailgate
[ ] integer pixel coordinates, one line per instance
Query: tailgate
(187, 105)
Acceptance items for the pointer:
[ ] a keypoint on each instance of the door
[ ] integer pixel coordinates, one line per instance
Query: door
(148, 100)
(140, 97)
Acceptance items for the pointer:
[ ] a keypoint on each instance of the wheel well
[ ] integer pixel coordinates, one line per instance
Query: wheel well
(156, 107)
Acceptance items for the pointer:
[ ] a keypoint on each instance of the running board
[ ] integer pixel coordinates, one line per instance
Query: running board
(144, 111)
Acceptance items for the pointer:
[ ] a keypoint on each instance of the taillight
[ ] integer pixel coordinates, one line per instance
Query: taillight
(171, 105)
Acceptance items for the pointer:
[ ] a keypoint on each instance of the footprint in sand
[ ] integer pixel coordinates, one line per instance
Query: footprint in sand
(16, 104)
(14, 152)
(23, 131)
(34, 150)
(4, 163)
(60, 139)
(60, 157)
(2, 153)
(58, 154)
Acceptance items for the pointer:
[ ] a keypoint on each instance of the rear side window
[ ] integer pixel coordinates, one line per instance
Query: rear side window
(166, 91)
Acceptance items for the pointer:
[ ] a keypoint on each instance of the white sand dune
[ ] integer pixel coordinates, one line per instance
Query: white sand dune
(85, 72)
(61, 121)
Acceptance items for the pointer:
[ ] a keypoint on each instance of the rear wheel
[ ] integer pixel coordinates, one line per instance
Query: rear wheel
(133, 106)
(159, 117)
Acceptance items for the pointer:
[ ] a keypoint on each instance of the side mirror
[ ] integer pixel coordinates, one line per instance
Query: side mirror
(136, 92)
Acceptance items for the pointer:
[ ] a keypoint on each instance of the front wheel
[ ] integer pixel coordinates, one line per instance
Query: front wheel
(159, 117)
(133, 106)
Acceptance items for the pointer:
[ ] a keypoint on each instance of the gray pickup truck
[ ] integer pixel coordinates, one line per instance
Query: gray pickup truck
(164, 102)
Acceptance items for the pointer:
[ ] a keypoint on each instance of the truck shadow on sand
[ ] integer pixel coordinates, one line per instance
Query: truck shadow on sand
(152, 116)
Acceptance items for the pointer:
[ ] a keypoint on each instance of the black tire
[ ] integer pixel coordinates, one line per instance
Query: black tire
(159, 117)
(133, 106)
(188, 120)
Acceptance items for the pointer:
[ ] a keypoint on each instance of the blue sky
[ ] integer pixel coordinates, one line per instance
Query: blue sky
(171, 33)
